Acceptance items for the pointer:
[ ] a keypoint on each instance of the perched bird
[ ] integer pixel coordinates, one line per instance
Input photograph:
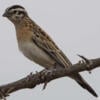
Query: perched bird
(37, 45)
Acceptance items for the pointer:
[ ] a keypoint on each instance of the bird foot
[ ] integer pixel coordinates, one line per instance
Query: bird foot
(45, 73)
(29, 77)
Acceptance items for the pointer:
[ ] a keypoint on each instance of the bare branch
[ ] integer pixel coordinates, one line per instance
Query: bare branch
(45, 76)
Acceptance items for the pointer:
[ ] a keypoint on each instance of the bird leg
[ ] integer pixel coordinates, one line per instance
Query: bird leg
(45, 73)
(45, 84)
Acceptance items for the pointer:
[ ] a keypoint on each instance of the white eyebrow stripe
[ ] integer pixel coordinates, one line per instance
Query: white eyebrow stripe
(17, 9)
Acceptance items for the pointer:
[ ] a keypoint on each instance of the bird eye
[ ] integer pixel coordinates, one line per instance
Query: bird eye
(14, 11)
(20, 12)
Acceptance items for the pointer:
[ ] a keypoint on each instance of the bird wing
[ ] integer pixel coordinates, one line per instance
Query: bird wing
(43, 41)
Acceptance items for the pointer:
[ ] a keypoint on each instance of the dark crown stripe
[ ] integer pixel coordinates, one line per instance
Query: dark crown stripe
(15, 6)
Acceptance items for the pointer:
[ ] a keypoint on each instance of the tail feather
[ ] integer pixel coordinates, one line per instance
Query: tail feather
(84, 84)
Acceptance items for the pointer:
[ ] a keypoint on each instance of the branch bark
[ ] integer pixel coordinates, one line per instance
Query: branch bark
(44, 76)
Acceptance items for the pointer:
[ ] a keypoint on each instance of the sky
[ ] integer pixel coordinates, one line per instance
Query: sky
(75, 27)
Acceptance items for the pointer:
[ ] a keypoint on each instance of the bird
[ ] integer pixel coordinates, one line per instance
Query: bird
(38, 46)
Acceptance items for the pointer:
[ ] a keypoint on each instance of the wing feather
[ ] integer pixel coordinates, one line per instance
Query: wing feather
(47, 44)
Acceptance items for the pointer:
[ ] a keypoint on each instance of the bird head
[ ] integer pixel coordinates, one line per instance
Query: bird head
(15, 13)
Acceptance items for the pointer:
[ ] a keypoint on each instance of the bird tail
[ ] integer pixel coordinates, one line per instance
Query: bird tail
(78, 78)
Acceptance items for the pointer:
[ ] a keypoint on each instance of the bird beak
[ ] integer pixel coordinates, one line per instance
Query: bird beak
(5, 14)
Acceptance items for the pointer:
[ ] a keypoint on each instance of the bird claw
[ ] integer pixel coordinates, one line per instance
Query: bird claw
(86, 61)
(45, 84)
(29, 76)
(45, 73)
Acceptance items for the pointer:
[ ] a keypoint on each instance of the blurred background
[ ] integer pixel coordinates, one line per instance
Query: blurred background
(75, 27)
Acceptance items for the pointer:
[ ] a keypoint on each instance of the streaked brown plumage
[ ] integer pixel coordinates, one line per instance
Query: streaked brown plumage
(36, 45)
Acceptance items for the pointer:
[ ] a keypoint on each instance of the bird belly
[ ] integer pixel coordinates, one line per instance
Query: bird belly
(34, 53)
